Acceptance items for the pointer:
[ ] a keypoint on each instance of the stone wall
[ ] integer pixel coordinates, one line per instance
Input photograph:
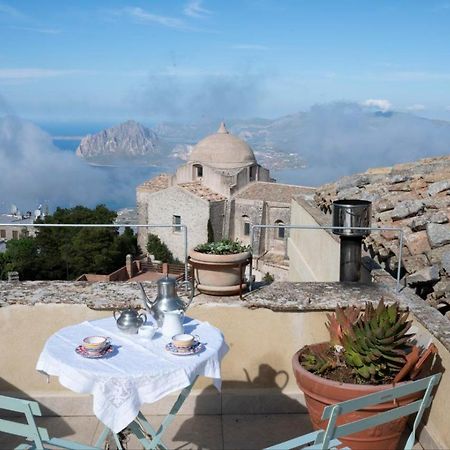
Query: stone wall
(217, 216)
(254, 210)
(194, 212)
(416, 198)
(275, 212)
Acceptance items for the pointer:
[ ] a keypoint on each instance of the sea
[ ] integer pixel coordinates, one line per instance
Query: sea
(67, 137)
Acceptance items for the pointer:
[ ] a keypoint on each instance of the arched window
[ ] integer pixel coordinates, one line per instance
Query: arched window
(281, 231)
(246, 225)
(198, 170)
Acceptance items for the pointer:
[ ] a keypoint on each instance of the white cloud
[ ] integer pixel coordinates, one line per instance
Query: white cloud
(250, 47)
(143, 16)
(33, 73)
(382, 104)
(416, 107)
(195, 9)
(34, 171)
(37, 30)
(10, 11)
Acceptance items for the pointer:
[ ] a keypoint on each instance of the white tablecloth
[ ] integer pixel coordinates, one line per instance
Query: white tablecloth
(138, 371)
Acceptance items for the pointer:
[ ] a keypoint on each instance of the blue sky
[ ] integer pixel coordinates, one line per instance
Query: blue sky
(183, 60)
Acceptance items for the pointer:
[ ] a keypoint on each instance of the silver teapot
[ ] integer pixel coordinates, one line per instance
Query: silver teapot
(166, 300)
(129, 320)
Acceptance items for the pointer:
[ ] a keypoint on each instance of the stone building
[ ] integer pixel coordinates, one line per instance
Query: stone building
(221, 183)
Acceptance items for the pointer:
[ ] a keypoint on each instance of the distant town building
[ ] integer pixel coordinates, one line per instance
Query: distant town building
(17, 220)
(221, 184)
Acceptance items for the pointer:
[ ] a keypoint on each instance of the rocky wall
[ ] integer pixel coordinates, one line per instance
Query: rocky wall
(415, 197)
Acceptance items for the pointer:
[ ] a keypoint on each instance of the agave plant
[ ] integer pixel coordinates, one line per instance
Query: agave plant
(374, 344)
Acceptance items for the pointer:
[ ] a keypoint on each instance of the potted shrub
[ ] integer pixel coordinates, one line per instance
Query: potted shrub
(367, 352)
(219, 266)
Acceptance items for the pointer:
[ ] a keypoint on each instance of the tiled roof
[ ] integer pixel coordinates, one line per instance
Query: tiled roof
(202, 191)
(156, 184)
(272, 192)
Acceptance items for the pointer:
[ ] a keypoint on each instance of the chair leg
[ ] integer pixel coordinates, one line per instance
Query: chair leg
(102, 438)
(171, 416)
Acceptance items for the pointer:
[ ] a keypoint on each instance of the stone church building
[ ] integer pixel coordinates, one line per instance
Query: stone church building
(221, 183)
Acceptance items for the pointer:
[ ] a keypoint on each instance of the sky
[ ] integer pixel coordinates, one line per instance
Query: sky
(181, 60)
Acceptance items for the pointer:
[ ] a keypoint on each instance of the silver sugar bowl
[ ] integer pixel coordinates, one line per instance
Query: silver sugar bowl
(129, 320)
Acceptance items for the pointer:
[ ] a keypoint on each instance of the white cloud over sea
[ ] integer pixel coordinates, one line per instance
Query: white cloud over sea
(34, 171)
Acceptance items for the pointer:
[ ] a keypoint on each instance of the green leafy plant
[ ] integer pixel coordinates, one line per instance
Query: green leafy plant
(159, 249)
(373, 344)
(210, 231)
(223, 247)
(268, 278)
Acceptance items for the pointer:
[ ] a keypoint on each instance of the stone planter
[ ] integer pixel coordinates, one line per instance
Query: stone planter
(219, 274)
(321, 392)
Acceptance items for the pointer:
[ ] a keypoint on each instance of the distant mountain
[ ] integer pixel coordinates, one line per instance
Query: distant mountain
(327, 142)
(129, 142)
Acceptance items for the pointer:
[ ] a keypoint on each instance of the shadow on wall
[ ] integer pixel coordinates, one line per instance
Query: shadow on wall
(58, 428)
(257, 400)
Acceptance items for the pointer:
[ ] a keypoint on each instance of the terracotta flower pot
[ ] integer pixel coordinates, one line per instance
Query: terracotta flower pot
(321, 392)
(219, 274)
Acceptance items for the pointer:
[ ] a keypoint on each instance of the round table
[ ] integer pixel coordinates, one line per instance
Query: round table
(137, 371)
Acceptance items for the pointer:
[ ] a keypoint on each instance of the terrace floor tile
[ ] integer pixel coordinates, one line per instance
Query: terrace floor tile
(256, 431)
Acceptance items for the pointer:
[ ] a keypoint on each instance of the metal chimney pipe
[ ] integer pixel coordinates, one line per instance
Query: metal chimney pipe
(351, 213)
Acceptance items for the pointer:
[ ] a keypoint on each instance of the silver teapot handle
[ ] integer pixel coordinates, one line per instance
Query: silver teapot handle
(114, 314)
(142, 320)
(188, 286)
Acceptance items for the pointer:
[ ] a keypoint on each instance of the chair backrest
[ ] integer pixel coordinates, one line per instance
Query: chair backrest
(30, 430)
(332, 412)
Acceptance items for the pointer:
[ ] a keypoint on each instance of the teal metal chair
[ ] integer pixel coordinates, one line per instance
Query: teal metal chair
(329, 438)
(37, 436)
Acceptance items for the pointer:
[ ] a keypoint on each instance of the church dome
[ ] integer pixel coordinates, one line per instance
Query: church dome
(223, 150)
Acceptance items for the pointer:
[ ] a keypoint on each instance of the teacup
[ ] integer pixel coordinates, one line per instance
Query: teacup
(95, 343)
(147, 331)
(183, 340)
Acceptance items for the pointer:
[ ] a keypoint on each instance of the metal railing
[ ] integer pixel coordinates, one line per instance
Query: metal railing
(331, 227)
(109, 225)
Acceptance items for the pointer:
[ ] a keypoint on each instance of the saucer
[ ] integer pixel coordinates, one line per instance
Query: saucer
(196, 348)
(93, 355)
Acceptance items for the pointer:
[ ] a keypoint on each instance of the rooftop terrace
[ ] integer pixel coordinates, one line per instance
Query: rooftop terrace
(259, 404)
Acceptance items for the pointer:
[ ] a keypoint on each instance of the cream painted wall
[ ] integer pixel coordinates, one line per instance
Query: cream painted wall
(267, 347)
(313, 254)
(261, 345)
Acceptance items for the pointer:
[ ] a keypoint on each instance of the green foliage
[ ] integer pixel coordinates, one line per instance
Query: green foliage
(210, 232)
(268, 278)
(67, 253)
(374, 344)
(377, 345)
(159, 249)
(22, 256)
(223, 247)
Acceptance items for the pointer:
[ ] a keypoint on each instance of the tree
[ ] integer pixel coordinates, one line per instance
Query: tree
(22, 256)
(67, 253)
(159, 249)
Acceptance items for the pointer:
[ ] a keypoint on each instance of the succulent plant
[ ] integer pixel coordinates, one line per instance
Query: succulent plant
(374, 344)
(377, 345)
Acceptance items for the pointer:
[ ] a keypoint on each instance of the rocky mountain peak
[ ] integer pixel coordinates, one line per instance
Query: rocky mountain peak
(126, 141)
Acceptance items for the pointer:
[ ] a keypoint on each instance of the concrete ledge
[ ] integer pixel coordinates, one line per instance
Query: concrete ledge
(279, 296)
